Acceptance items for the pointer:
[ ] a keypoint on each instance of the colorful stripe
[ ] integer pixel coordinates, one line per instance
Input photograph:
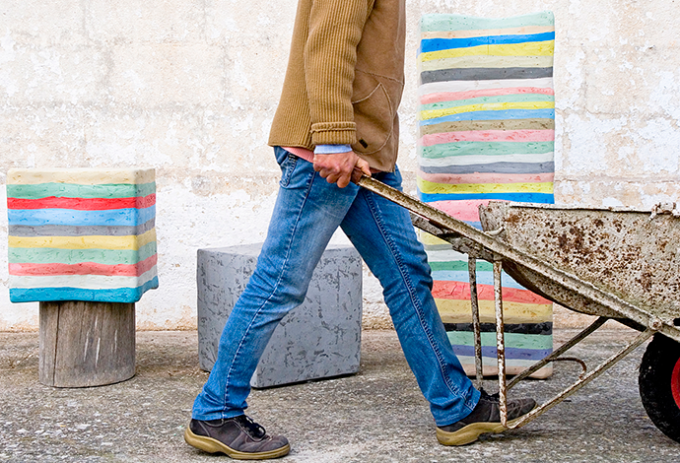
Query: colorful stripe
(85, 242)
(444, 34)
(68, 230)
(487, 62)
(460, 290)
(74, 256)
(429, 45)
(545, 328)
(466, 86)
(542, 48)
(67, 190)
(487, 178)
(540, 198)
(476, 74)
(498, 167)
(487, 148)
(117, 217)
(81, 234)
(507, 98)
(80, 176)
(516, 136)
(460, 311)
(83, 268)
(493, 115)
(487, 132)
(82, 204)
(466, 188)
(511, 124)
(80, 294)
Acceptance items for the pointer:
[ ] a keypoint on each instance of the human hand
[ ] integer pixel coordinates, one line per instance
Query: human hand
(340, 168)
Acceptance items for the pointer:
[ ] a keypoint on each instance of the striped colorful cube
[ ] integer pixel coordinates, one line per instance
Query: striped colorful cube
(487, 132)
(81, 234)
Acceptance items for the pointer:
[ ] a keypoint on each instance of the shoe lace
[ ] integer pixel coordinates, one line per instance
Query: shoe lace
(251, 427)
(489, 397)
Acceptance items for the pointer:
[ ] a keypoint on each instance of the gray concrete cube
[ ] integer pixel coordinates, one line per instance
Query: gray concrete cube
(319, 339)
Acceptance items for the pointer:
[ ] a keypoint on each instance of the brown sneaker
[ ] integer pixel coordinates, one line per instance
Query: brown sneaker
(485, 418)
(239, 438)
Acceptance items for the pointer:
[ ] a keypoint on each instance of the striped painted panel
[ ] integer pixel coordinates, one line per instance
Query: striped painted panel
(487, 132)
(81, 234)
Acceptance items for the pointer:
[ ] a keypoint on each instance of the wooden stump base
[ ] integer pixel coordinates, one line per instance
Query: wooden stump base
(86, 344)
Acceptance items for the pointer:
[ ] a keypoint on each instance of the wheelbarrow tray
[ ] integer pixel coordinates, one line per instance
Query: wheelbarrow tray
(632, 254)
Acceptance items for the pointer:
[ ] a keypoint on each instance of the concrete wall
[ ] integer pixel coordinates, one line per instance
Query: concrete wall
(190, 87)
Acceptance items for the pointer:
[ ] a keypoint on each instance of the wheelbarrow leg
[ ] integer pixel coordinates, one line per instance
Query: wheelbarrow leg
(476, 325)
(500, 340)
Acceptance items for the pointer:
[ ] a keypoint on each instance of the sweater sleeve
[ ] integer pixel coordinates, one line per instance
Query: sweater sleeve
(330, 55)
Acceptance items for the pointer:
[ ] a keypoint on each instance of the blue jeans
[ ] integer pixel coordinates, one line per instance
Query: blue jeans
(307, 213)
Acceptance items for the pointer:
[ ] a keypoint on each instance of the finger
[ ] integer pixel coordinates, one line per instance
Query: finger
(332, 178)
(357, 173)
(365, 168)
(343, 181)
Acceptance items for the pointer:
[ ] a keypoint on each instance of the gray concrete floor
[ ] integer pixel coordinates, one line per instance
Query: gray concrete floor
(377, 415)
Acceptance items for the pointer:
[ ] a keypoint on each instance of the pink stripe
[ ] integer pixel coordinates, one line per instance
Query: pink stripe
(467, 210)
(454, 179)
(489, 135)
(452, 96)
(84, 268)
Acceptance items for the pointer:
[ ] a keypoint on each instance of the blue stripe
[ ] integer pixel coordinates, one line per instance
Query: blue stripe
(511, 353)
(483, 278)
(494, 115)
(428, 45)
(121, 295)
(116, 217)
(542, 198)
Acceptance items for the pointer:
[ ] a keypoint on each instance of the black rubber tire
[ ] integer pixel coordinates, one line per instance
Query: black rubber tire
(656, 391)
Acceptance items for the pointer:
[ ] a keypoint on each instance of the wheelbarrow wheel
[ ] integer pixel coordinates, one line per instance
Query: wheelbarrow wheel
(659, 383)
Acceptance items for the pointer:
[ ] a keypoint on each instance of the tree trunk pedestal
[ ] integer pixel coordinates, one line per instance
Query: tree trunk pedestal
(85, 344)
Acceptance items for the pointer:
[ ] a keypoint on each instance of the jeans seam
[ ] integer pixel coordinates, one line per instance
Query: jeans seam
(414, 300)
(276, 286)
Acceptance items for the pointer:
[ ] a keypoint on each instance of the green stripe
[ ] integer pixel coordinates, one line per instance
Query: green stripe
(484, 148)
(455, 22)
(74, 256)
(514, 340)
(489, 99)
(457, 266)
(70, 190)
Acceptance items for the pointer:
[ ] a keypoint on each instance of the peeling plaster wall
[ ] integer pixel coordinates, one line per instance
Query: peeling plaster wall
(190, 87)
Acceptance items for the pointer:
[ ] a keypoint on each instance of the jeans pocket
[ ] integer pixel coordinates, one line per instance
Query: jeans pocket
(287, 162)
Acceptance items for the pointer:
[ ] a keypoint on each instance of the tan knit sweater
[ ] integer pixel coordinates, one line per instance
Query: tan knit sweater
(345, 78)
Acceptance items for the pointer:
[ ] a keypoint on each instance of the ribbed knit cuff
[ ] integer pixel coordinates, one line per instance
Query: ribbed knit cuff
(334, 133)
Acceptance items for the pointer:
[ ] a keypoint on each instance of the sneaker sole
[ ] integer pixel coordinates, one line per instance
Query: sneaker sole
(210, 445)
(471, 432)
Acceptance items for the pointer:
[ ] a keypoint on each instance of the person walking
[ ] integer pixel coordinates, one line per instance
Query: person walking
(336, 120)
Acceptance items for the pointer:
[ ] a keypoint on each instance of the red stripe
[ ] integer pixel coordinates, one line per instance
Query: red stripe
(84, 268)
(461, 291)
(83, 204)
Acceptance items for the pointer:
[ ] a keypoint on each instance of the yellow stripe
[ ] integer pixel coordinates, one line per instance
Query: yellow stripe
(487, 32)
(429, 239)
(460, 311)
(487, 61)
(434, 113)
(130, 242)
(80, 176)
(431, 187)
(546, 48)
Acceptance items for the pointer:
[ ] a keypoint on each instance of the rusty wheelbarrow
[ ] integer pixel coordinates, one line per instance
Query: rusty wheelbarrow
(619, 264)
